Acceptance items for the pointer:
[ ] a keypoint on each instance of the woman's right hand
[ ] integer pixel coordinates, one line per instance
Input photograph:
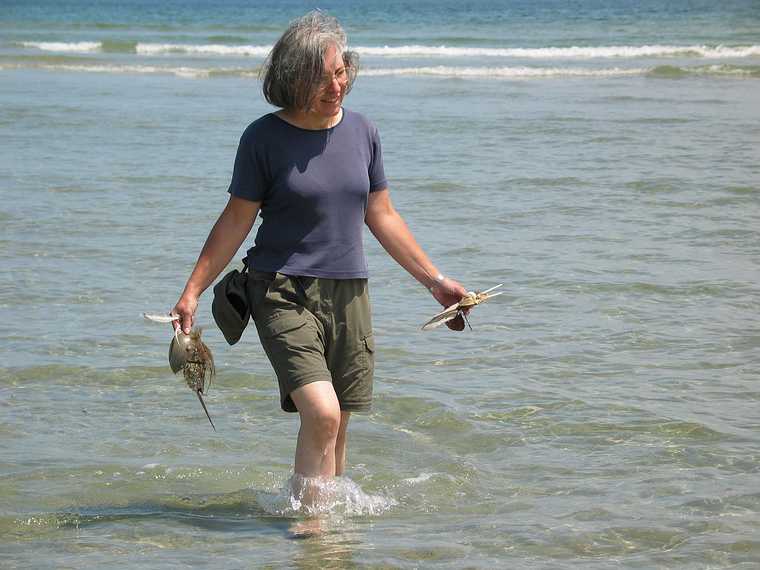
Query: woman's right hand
(185, 309)
(223, 241)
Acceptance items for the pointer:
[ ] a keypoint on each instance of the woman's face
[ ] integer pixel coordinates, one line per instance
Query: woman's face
(329, 98)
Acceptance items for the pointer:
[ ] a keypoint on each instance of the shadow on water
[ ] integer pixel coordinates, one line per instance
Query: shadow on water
(237, 512)
(240, 512)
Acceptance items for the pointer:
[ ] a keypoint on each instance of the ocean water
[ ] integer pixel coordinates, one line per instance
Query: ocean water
(599, 159)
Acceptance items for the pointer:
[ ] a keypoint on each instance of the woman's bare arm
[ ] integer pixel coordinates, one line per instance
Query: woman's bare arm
(229, 231)
(387, 225)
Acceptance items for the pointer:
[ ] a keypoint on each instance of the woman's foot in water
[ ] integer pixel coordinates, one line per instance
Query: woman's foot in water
(308, 528)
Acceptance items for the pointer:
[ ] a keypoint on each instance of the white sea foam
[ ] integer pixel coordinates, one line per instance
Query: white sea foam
(571, 52)
(338, 496)
(505, 72)
(421, 478)
(73, 47)
(202, 49)
(722, 70)
(574, 52)
(188, 72)
(714, 69)
(520, 72)
(182, 71)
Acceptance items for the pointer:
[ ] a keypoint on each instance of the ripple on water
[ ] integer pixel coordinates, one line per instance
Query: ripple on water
(247, 509)
(63, 374)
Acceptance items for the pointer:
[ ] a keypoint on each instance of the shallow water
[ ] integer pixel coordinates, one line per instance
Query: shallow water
(602, 413)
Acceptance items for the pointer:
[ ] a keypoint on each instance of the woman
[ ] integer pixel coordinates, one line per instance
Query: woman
(314, 170)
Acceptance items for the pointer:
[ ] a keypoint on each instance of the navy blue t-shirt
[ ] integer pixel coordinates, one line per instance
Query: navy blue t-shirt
(313, 187)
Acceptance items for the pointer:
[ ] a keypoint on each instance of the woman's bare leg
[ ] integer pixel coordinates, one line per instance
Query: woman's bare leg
(340, 443)
(320, 414)
(318, 407)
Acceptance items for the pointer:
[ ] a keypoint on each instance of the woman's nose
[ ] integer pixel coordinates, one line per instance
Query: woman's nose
(334, 86)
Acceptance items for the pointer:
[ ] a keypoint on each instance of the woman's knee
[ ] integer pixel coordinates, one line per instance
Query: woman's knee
(320, 411)
(321, 423)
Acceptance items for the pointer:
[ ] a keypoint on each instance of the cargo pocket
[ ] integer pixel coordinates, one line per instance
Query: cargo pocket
(290, 344)
(368, 352)
(281, 323)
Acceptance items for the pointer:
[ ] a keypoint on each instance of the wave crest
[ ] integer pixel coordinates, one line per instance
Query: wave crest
(202, 49)
(518, 72)
(572, 52)
(69, 47)
(505, 72)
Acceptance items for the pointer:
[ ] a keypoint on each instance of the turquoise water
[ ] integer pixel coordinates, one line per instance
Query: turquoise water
(601, 162)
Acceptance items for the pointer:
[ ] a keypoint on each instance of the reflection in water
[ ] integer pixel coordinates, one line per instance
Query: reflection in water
(327, 530)
(329, 535)
(332, 547)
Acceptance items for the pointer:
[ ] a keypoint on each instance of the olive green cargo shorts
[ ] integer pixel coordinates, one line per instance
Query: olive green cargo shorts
(316, 329)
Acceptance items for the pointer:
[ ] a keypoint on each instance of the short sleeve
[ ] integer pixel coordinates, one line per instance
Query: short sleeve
(248, 176)
(377, 179)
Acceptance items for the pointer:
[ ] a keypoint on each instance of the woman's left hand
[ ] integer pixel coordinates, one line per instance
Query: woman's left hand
(449, 292)
(391, 231)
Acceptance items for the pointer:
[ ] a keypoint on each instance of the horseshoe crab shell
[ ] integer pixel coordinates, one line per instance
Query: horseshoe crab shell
(188, 353)
(178, 351)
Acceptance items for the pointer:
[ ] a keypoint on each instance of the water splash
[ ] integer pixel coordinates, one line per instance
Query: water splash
(312, 496)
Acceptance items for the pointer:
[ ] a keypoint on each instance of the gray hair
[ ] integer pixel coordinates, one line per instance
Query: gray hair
(295, 67)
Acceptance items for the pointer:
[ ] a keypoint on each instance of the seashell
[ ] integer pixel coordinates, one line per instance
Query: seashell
(160, 318)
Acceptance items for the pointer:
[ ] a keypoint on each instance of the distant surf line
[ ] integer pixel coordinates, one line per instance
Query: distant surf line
(571, 52)
(450, 72)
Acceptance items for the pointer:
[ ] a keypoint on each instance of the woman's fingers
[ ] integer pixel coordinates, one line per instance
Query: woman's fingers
(449, 292)
(187, 323)
(185, 309)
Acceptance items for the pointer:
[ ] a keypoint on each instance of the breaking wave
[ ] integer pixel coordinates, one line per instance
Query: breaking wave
(573, 52)
(68, 47)
(516, 72)
(547, 72)
(210, 49)
(180, 71)
(505, 72)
